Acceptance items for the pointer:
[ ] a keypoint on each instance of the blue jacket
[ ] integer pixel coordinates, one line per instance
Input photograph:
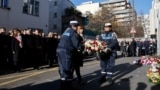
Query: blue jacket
(146, 44)
(110, 38)
(69, 40)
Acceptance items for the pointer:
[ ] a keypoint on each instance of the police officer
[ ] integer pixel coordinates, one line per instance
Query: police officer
(107, 60)
(68, 44)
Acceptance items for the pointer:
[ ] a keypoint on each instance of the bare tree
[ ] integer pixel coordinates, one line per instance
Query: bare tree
(96, 21)
(72, 11)
(141, 26)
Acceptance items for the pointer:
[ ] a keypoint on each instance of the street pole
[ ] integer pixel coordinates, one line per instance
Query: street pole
(157, 25)
(133, 16)
(158, 33)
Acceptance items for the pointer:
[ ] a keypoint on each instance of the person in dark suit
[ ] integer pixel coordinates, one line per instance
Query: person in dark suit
(146, 46)
(37, 49)
(133, 47)
(3, 48)
(44, 49)
(51, 46)
(27, 39)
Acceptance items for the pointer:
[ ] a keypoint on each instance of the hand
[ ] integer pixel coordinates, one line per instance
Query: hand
(106, 50)
(105, 53)
(13, 52)
(79, 50)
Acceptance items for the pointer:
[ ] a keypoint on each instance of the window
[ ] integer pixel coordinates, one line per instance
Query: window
(36, 8)
(55, 3)
(55, 15)
(54, 26)
(4, 3)
(88, 12)
(31, 7)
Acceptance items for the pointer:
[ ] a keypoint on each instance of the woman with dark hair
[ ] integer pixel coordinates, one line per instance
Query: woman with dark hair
(17, 49)
(78, 56)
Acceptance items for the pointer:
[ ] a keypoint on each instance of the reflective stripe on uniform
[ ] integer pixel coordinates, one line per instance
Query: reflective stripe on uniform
(105, 38)
(103, 72)
(66, 34)
(64, 79)
(109, 73)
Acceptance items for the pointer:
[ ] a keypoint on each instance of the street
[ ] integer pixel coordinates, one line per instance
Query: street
(127, 76)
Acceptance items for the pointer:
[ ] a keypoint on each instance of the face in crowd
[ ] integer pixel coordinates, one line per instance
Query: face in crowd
(2, 30)
(107, 28)
(80, 29)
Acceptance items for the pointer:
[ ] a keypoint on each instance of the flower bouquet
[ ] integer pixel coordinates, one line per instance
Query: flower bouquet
(94, 46)
(153, 73)
(144, 60)
(147, 60)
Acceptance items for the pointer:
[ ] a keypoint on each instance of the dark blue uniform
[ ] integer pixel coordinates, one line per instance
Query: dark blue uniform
(108, 63)
(68, 44)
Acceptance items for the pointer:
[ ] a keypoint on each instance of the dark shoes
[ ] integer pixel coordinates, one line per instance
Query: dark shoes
(110, 81)
(37, 68)
(81, 83)
(106, 80)
(102, 79)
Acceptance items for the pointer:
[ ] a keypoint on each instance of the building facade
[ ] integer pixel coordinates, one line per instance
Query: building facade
(122, 14)
(154, 15)
(144, 20)
(43, 14)
(88, 8)
(155, 22)
(56, 11)
(24, 14)
(121, 9)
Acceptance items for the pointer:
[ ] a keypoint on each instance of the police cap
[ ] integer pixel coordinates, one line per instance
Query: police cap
(107, 24)
(74, 22)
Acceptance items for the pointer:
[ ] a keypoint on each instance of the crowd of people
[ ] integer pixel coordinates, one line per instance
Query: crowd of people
(137, 47)
(20, 49)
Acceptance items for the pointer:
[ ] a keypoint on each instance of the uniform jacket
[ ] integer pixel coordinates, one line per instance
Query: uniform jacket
(69, 40)
(110, 38)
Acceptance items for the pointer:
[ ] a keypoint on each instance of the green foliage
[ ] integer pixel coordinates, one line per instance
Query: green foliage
(85, 20)
(72, 11)
(89, 32)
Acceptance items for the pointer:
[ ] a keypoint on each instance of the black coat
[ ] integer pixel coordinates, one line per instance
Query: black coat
(77, 55)
(17, 56)
(52, 44)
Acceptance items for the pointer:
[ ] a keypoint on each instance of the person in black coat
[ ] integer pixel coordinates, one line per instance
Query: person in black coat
(37, 49)
(78, 56)
(27, 39)
(17, 50)
(146, 46)
(44, 49)
(133, 47)
(51, 47)
(3, 48)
